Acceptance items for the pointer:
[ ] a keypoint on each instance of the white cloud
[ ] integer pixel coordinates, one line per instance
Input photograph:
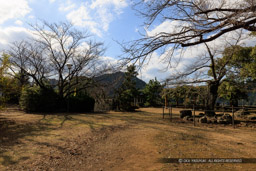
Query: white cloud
(225, 3)
(31, 17)
(97, 15)
(191, 55)
(12, 34)
(67, 6)
(167, 27)
(81, 14)
(109, 60)
(82, 18)
(153, 67)
(19, 22)
(52, 1)
(13, 9)
(158, 66)
(117, 4)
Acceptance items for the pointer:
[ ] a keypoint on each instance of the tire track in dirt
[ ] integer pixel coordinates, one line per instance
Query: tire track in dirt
(122, 147)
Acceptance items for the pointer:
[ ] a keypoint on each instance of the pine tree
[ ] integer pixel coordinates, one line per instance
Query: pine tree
(152, 93)
(128, 92)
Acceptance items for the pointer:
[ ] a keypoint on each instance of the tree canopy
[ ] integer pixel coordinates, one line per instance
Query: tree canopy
(244, 62)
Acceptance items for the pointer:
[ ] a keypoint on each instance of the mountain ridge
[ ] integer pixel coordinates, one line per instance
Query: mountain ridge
(111, 82)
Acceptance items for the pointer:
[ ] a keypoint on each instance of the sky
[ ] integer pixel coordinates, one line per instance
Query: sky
(110, 21)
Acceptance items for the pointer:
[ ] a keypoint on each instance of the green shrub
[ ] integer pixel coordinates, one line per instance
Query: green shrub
(35, 99)
(81, 103)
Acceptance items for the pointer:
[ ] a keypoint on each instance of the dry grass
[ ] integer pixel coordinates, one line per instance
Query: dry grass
(117, 141)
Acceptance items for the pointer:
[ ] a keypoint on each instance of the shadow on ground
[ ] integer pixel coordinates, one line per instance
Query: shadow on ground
(11, 132)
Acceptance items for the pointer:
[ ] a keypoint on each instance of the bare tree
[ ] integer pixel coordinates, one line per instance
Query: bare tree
(195, 22)
(53, 46)
(211, 68)
(27, 60)
(191, 22)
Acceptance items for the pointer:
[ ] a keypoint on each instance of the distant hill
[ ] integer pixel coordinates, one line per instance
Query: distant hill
(113, 81)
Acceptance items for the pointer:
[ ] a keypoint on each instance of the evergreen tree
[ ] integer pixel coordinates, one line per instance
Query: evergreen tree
(127, 93)
(233, 90)
(9, 89)
(152, 93)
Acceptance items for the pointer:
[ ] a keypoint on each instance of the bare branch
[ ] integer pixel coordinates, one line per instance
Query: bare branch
(54, 46)
(200, 21)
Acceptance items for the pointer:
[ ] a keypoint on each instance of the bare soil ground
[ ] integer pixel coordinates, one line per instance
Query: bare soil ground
(118, 141)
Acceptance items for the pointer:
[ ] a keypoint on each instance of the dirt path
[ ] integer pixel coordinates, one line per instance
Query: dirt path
(122, 147)
(119, 141)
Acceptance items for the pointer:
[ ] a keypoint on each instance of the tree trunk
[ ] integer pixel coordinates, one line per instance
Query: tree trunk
(177, 102)
(213, 94)
(234, 102)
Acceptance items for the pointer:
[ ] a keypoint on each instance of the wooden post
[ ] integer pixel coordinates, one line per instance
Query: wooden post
(223, 108)
(163, 112)
(171, 113)
(194, 115)
(165, 101)
(233, 119)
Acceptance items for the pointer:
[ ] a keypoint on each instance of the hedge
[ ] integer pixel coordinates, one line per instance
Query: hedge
(36, 99)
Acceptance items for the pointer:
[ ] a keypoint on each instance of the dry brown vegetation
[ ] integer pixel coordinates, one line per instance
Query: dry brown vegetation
(118, 141)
